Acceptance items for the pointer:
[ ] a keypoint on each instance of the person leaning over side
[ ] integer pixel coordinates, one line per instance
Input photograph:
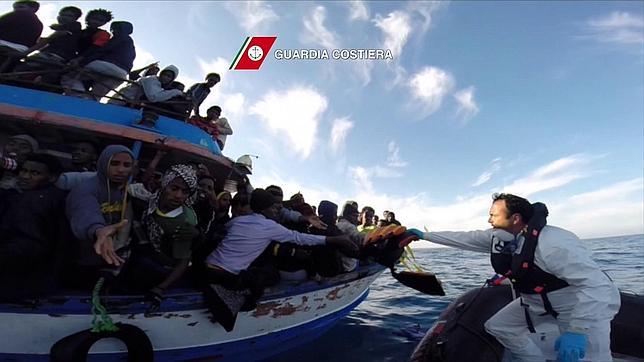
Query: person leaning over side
(98, 212)
(564, 286)
(249, 235)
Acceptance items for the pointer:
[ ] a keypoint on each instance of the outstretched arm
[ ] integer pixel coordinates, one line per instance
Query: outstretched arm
(479, 240)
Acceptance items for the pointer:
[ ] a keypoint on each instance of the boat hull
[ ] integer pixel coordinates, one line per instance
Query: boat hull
(276, 325)
(462, 324)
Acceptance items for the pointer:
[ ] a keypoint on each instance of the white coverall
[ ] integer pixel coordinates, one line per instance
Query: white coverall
(586, 306)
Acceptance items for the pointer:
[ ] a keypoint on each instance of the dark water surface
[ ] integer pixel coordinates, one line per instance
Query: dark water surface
(390, 322)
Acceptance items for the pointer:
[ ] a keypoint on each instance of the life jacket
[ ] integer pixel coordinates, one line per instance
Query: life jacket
(526, 276)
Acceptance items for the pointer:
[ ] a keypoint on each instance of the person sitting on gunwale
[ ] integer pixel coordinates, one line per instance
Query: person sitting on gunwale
(54, 51)
(109, 64)
(152, 88)
(19, 30)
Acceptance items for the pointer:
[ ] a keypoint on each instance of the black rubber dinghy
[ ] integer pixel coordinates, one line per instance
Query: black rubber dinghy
(459, 335)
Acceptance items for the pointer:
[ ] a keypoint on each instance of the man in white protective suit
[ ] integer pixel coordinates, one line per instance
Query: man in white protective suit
(556, 278)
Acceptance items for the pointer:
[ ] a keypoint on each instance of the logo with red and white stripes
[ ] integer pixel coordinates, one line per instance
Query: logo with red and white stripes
(252, 53)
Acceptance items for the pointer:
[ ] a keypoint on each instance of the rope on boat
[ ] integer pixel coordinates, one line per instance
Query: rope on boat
(408, 259)
(105, 324)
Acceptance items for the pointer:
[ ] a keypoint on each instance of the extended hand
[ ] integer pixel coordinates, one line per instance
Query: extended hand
(316, 222)
(104, 245)
(571, 346)
(420, 234)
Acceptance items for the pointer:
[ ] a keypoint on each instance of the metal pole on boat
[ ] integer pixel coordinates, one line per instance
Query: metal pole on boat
(136, 149)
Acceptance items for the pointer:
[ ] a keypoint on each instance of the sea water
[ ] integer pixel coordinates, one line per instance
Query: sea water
(392, 320)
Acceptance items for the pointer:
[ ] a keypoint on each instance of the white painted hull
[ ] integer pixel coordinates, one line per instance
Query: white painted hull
(177, 335)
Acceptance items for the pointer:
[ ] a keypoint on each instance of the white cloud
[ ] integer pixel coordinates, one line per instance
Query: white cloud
(606, 211)
(393, 158)
(47, 15)
(555, 174)
(361, 178)
(495, 166)
(467, 107)
(425, 9)
(430, 85)
(294, 113)
(254, 16)
(396, 28)
(358, 10)
(617, 27)
(339, 132)
(144, 57)
(315, 32)
(616, 209)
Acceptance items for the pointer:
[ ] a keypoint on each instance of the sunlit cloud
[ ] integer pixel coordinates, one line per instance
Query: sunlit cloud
(424, 10)
(589, 214)
(143, 57)
(253, 16)
(339, 131)
(616, 209)
(494, 167)
(396, 28)
(315, 32)
(429, 86)
(393, 158)
(617, 27)
(555, 174)
(358, 10)
(294, 113)
(467, 107)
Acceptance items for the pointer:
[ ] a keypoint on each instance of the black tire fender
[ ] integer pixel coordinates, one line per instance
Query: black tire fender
(75, 347)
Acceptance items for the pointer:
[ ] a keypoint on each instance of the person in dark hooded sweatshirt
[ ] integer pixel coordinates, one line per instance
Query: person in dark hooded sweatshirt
(33, 228)
(98, 211)
(109, 64)
(19, 30)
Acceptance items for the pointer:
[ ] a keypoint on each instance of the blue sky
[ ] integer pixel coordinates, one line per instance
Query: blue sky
(542, 99)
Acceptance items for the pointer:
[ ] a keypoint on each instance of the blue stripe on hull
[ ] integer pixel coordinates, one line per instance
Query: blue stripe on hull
(99, 112)
(253, 349)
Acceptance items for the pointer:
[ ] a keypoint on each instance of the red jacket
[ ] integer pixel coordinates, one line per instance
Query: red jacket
(206, 125)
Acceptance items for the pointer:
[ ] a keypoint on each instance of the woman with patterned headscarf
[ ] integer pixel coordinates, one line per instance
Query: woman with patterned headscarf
(171, 228)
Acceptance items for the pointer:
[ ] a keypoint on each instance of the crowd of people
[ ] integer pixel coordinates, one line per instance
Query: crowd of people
(153, 229)
(149, 230)
(91, 62)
